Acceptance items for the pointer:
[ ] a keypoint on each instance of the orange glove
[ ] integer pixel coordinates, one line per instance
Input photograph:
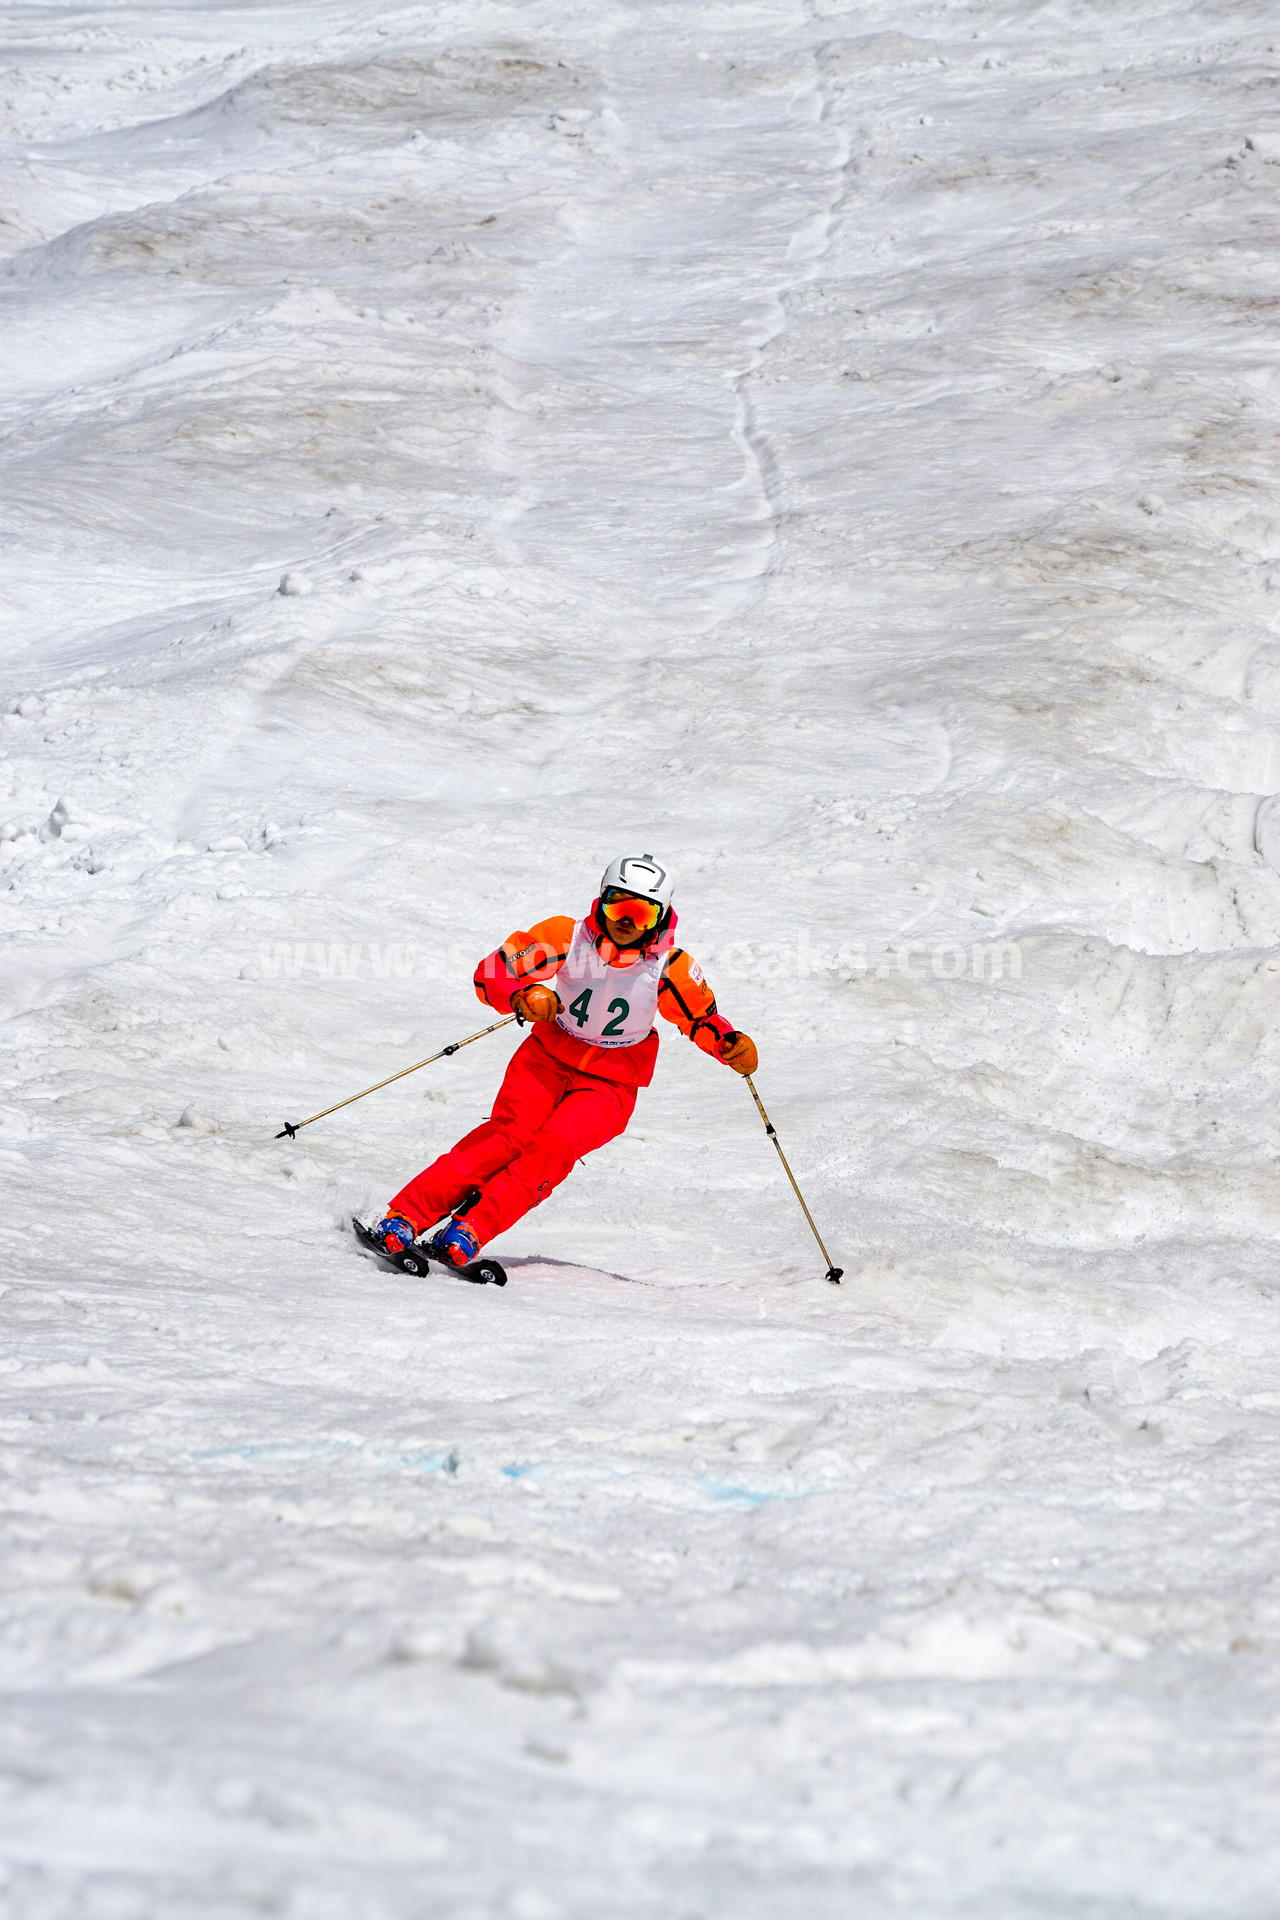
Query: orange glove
(535, 1003)
(738, 1051)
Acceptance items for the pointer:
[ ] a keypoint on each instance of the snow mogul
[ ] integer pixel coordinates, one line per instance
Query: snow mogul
(572, 1085)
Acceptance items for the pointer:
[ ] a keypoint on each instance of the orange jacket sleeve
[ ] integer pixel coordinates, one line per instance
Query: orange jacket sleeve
(685, 997)
(521, 959)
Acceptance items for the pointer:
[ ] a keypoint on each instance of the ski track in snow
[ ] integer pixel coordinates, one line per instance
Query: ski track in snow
(832, 445)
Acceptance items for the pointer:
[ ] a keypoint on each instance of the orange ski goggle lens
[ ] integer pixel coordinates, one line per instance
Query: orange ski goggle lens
(643, 914)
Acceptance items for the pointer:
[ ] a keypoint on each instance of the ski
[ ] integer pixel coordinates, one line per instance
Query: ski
(419, 1260)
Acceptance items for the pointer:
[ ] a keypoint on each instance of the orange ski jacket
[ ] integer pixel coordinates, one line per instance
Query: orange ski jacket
(684, 996)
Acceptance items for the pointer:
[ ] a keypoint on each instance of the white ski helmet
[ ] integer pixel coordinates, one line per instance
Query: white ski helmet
(640, 873)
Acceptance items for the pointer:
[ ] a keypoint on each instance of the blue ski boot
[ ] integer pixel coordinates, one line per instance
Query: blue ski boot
(394, 1234)
(455, 1242)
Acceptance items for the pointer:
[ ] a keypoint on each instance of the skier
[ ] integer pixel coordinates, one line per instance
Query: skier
(572, 1085)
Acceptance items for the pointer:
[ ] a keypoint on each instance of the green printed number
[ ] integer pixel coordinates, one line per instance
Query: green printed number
(619, 1009)
(578, 1008)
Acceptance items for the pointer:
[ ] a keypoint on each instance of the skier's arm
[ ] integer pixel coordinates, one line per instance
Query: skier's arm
(522, 959)
(685, 998)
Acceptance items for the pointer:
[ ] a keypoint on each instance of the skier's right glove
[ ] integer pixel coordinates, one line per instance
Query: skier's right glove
(535, 1003)
(738, 1050)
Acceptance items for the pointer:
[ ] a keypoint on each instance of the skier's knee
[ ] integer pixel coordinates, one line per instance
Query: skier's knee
(511, 1140)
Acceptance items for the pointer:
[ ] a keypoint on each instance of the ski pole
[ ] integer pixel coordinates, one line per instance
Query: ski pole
(293, 1128)
(833, 1272)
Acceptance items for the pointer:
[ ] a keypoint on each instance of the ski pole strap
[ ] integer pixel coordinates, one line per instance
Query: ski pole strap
(291, 1129)
(833, 1272)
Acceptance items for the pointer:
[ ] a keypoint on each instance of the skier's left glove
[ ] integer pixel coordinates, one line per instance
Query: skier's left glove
(738, 1050)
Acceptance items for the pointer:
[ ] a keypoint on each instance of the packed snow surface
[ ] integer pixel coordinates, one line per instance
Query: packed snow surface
(830, 445)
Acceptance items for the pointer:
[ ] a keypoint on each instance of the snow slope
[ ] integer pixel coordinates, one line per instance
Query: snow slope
(832, 445)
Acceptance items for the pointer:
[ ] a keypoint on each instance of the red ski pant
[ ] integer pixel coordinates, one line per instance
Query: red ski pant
(545, 1117)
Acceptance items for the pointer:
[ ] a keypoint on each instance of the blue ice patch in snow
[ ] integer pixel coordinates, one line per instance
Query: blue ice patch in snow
(419, 1462)
(277, 1450)
(728, 1494)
